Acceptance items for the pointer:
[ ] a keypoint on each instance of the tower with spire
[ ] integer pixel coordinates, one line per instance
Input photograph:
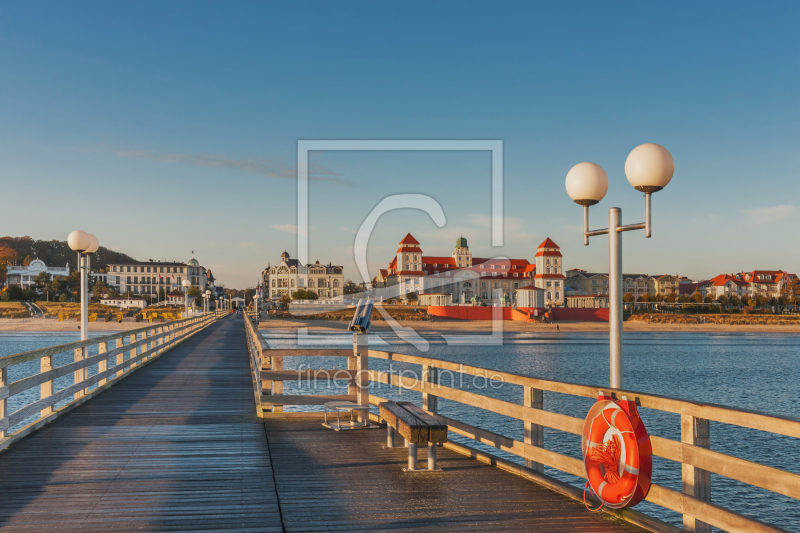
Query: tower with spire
(461, 255)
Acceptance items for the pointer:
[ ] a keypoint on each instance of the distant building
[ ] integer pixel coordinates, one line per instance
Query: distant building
(24, 275)
(435, 298)
(579, 282)
(531, 297)
(176, 297)
(593, 301)
(289, 276)
(466, 278)
(549, 274)
(124, 302)
(767, 283)
(149, 277)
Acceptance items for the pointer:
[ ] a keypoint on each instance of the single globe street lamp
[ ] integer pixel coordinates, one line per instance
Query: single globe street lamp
(186, 284)
(208, 301)
(649, 168)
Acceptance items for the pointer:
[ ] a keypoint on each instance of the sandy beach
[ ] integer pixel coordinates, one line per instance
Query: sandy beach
(429, 327)
(53, 324)
(485, 326)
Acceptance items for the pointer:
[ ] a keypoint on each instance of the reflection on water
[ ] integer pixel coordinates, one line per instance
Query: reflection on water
(750, 371)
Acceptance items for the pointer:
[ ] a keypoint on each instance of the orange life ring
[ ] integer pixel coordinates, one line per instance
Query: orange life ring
(616, 453)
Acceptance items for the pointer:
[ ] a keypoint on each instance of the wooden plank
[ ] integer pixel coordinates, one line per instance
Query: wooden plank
(139, 457)
(787, 426)
(307, 352)
(304, 399)
(437, 430)
(406, 424)
(348, 482)
(308, 374)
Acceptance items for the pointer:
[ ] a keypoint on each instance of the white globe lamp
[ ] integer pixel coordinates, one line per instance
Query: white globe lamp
(94, 244)
(587, 183)
(649, 167)
(186, 283)
(78, 241)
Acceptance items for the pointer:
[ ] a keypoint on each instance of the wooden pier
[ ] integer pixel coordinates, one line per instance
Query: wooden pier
(177, 446)
(177, 441)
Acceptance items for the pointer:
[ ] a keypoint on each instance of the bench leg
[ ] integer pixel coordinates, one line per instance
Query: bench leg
(431, 456)
(412, 457)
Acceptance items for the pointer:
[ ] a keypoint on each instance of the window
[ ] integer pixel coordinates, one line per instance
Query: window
(483, 284)
(549, 284)
(516, 285)
(556, 296)
(129, 269)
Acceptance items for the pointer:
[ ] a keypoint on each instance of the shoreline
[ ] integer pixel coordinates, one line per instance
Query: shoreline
(430, 327)
(485, 326)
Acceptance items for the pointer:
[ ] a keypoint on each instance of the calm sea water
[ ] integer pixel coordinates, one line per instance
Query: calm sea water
(753, 371)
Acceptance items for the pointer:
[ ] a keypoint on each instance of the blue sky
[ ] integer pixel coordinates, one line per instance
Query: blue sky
(170, 127)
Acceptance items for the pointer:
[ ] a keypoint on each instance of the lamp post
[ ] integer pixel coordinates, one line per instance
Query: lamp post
(649, 168)
(84, 244)
(186, 284)
(208, 301)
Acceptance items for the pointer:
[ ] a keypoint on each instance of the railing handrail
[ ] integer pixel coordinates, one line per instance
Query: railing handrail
(698, 457)
(787, 426)
(24, 357)
(111, 367)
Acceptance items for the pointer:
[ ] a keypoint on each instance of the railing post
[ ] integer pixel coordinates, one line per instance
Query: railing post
(277, 386)
(120, 357)
(352, 365)
(102, 365)
(696, 482)
(80, 373)
(534, 433)
(361, 343)
(3, 403)
(153, 342)
(430, 379)
(133, 352)
(46, 388)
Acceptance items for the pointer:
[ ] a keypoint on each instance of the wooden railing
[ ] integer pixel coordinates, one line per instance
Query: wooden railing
(114, 360)
(692, 451)
(268, 374)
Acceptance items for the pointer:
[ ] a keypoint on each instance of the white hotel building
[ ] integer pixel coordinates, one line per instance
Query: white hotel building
(149, 277)
(289, 276)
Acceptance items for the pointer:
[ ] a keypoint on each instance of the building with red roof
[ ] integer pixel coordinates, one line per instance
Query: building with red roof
(467, 278)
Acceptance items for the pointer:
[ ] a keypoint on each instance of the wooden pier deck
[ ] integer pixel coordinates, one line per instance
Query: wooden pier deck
(177, 446)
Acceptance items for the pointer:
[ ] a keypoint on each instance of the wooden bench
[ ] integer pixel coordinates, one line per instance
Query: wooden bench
(416, 426)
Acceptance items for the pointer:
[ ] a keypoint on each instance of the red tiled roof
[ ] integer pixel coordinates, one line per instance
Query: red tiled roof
(409, 273)
(409, 249)
(530, 288)
(429, 261)
(409, 239)
(175, 293)
(548, 243)
(542, 253)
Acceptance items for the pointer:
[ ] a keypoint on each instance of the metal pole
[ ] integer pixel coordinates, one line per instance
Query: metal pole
(615, 295)
(84, 296)
(186, 302)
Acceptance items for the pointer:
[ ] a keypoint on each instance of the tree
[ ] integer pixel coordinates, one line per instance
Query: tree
(697, 297)
(194, 292)
(723, 301)
(302, 294)
(27, 260)
(285, 299)
(761, 300)
(627, 297)
(735, 300)
(412, 296)
(99, 290)
(14, 293)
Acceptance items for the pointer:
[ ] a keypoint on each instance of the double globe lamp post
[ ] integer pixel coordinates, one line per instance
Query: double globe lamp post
(649, 168)
(84, 244)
